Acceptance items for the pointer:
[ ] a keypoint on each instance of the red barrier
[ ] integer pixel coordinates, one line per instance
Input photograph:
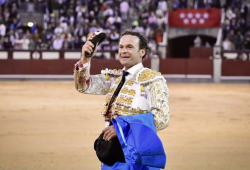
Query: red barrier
(173, 66)
(202, 52)
(186, 66)
(60, 66)
(199, 66)
(235, 68)
(167, 66)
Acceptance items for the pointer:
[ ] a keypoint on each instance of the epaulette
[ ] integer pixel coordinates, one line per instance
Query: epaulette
(147, 75)
(111, 72)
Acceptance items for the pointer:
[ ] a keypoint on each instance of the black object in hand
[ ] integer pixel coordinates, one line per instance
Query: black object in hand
(99, 36)
(108, 152)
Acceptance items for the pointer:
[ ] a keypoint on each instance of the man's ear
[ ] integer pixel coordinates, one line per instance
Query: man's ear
(142, 52)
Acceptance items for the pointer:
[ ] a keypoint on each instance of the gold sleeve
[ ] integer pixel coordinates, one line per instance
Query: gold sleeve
(158, 101)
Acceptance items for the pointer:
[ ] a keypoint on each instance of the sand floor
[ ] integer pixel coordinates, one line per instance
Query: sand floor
(50, 126)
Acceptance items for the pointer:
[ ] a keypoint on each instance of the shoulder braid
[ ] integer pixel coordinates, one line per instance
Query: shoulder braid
(147, 75)
(111, 72)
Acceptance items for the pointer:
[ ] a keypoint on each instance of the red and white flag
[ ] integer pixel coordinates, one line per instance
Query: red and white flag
(195, 18)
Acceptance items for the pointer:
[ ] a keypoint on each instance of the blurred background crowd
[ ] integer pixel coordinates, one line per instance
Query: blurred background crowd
(68, 23)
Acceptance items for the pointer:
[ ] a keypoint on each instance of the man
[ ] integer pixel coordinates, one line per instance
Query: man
(144, 90)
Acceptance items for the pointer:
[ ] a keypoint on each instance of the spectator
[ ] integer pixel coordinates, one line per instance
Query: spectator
(43, 39)
(32, 45)
(242, 25)
(176, 5)
(7, 44)
(199, 4)
(230, 14)
(162, 4)
(6, 15)
(57, 43)
(2, 29)
(67, 43)
(15, 24)
(231, 38)
(28, 34)
(227, 45)
(58, 30)
(197, 41)
(77, 44)
(78, 31)
(17, 43)
(247, 43)
(208, 3)
(33, 28)
(216, 4)
(153, 48)
(226, 28)
(183, 4)
(25, 43)
(117, 22)
(159, 34)
(1, 42)
(124, 9)
(161, 22)
(36, 38)
(207, 44)
(152, 20)
(12, 36)
(238, 41)
(244, 11)
(108, 12)
(114, 38)
(236, 4)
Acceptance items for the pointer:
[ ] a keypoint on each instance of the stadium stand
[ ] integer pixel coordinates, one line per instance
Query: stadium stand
(43, 33)
(67, 23)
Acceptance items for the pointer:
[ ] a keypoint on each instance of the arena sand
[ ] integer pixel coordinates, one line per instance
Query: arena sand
(50, 126)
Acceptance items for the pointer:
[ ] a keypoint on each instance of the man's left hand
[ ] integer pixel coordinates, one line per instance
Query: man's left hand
(109, 133)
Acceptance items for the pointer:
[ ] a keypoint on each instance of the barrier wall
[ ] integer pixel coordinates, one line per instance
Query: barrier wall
(62, 63)
(186, 66)
(235, 68)
(201, 52)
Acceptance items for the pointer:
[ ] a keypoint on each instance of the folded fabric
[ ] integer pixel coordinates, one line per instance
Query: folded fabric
(140, 144)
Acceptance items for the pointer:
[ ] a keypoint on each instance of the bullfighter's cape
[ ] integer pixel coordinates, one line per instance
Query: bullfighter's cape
(142, 148)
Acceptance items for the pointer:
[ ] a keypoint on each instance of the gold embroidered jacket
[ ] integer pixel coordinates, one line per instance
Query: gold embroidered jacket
(144, 91)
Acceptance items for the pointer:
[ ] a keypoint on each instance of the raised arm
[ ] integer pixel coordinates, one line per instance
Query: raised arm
(89, 84)
(84, 82)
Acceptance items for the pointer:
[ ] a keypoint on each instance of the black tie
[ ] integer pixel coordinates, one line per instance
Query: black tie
(118, 89)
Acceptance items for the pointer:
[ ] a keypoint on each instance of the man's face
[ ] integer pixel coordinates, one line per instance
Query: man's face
(129, 53)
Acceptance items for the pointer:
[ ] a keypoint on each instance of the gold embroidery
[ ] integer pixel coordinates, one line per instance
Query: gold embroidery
(108, 99)
(129, 111)
(147, 75)
(142, 88)
(120, 99)
(104, 110)
(131, 92)
(107, 77)
(112, 90)
(129, 83)
(118, 79)
(125, 90)
(128, 101)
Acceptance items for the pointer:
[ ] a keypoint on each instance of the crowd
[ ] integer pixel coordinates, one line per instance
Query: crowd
(68, 23)
(196, 4)
(236, 29)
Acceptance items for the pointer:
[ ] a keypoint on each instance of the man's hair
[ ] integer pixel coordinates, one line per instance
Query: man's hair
(143, 43)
